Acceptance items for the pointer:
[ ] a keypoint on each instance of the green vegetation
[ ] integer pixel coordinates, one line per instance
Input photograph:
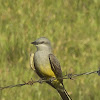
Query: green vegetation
(73, 27)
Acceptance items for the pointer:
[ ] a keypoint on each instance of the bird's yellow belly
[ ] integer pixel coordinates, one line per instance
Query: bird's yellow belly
(46, 71)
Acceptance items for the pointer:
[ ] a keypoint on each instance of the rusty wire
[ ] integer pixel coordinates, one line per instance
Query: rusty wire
(67, 76)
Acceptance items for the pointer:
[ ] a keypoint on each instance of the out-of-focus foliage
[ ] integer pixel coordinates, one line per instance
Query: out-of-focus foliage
(72, 26)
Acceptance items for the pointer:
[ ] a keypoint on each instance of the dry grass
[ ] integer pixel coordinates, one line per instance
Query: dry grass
(73, 27)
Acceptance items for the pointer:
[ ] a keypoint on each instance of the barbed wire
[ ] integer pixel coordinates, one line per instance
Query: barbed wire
(67, 76)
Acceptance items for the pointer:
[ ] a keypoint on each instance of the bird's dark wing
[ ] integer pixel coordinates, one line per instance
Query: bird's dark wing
(55, 66)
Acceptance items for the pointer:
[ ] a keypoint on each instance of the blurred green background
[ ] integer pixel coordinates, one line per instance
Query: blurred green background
(73, 27)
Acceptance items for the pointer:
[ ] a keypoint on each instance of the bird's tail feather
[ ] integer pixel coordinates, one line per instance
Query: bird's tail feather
(64, 95)
(62, 91)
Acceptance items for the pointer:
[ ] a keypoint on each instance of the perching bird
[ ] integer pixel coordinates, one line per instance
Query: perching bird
(47, 66)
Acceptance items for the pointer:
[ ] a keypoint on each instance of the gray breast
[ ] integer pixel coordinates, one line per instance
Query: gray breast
(41, 58)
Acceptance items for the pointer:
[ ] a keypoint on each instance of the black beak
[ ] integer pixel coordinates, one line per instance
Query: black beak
(34, 42)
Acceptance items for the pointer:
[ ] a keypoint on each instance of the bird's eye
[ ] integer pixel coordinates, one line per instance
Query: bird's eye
(42, 42)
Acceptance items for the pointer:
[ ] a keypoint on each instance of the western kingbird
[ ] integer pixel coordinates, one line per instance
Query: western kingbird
(47, 66)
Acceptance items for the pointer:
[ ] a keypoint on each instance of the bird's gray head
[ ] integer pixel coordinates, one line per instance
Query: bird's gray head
(42, 44)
